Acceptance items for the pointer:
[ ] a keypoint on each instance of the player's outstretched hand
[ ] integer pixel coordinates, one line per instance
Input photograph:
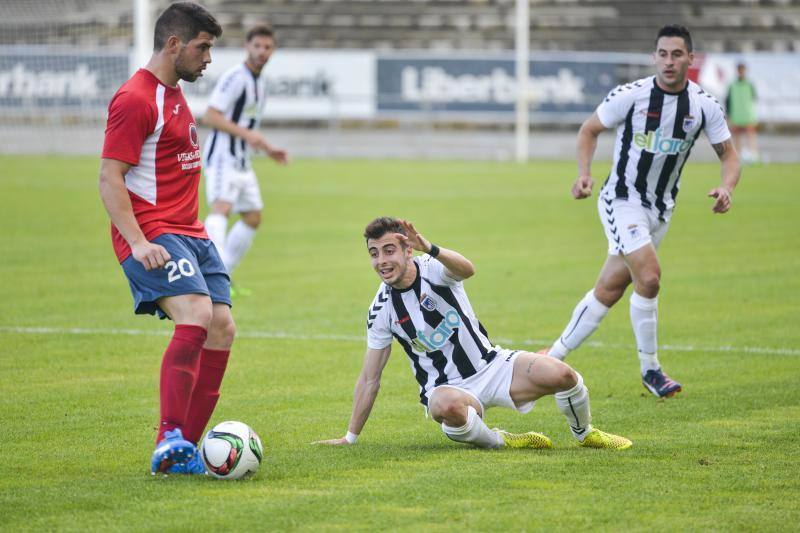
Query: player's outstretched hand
(413, 238)
(723, 199)
(333, 442)
(150, 254)
(582, 188)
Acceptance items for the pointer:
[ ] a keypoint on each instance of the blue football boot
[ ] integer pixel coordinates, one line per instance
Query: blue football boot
(173, 449)
(193, 466)
(660, 384)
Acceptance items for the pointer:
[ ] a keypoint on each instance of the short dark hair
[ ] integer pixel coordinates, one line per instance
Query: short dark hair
(381, 226)
(260, 30)
(676, 30)
(185, 20)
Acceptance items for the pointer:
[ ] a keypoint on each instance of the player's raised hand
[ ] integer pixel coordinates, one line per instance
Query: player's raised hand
(413, 238)
(723, 199)
(150, 254)
(582, 188)
(333, 442)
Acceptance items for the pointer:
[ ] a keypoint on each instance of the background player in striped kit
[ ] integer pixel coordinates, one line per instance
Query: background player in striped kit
(421, 302)
(149, 176)
(658, 119)
(234, 111)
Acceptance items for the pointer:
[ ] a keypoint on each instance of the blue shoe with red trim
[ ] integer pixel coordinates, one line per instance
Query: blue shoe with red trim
(660, 384)
(173, 449)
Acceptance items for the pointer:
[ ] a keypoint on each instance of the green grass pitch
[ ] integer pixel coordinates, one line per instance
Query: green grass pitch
(78, 371)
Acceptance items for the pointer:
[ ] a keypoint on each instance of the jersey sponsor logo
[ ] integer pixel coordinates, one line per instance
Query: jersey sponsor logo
(427, 302)
(440, 335)
(176, 109)
(633, 229)
(192, 133)
(657, 143)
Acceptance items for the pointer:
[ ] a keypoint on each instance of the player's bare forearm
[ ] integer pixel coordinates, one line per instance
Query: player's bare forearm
(587, 143)
(214, 118)
(456, 265)
(363, 399)
(117, 201)
(731, 167)
(731, 171)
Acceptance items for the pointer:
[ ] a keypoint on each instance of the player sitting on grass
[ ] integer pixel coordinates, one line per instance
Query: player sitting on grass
(422, 303)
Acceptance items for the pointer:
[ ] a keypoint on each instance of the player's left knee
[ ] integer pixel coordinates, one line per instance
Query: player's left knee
(565, 378)
(224, 330)
(252, 219)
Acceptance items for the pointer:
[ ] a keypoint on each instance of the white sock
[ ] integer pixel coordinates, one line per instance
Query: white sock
(216, 226)
(475, 431)
(585, 319)
(236, 245)
(644, 319)
(574, 403)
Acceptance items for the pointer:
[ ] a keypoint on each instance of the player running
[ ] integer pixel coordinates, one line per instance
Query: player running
(234, 111)
(422, 303)
(149, 177)
(658, 120)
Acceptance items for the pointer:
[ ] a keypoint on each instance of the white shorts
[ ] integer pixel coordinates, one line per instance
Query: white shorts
(491, 387)
(226, 183)
(629, 226)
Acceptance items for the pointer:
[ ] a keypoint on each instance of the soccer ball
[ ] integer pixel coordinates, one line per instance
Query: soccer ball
(231, 450)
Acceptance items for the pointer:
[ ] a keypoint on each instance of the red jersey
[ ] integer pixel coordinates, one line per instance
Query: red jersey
(150, 126)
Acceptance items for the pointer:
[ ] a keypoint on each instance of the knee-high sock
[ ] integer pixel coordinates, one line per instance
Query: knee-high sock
(644, 319)
(178, 375)
(585, 319)
(475, 432)
(236, 244)
(206, 392)
(574, 403)
(216, 227)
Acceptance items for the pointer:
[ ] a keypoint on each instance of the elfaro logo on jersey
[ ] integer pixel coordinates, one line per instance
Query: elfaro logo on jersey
(655, 142)
(440, 335)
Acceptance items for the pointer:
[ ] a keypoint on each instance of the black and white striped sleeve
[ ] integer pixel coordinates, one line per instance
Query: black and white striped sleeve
(433, 270)
(613, 110)
(227, 90)
(379, 331)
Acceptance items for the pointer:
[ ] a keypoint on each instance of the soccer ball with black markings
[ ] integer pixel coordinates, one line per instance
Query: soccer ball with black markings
(231, 450)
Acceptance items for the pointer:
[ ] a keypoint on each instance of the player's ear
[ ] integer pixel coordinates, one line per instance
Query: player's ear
(173, 44)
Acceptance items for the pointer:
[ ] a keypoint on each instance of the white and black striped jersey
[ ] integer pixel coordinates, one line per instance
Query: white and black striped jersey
(239, 95)
(434, 323)
(655, 134)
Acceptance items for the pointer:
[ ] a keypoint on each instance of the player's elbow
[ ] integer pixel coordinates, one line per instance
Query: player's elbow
(466, 269)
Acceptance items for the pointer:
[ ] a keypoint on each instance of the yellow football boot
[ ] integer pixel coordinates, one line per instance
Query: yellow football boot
(530, 439)
(601, 439)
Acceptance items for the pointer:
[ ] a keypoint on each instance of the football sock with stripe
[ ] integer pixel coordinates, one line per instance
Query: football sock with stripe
(239, 240)
(574, 403)
(178, 374)
(644, 319)
(206, 392)
(216, 227)
(474, 432)
(586, 316)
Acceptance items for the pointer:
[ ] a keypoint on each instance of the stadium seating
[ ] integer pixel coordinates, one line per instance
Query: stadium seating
(620, 25)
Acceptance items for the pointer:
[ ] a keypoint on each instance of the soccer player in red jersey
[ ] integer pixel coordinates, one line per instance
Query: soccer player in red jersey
(149, 177)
